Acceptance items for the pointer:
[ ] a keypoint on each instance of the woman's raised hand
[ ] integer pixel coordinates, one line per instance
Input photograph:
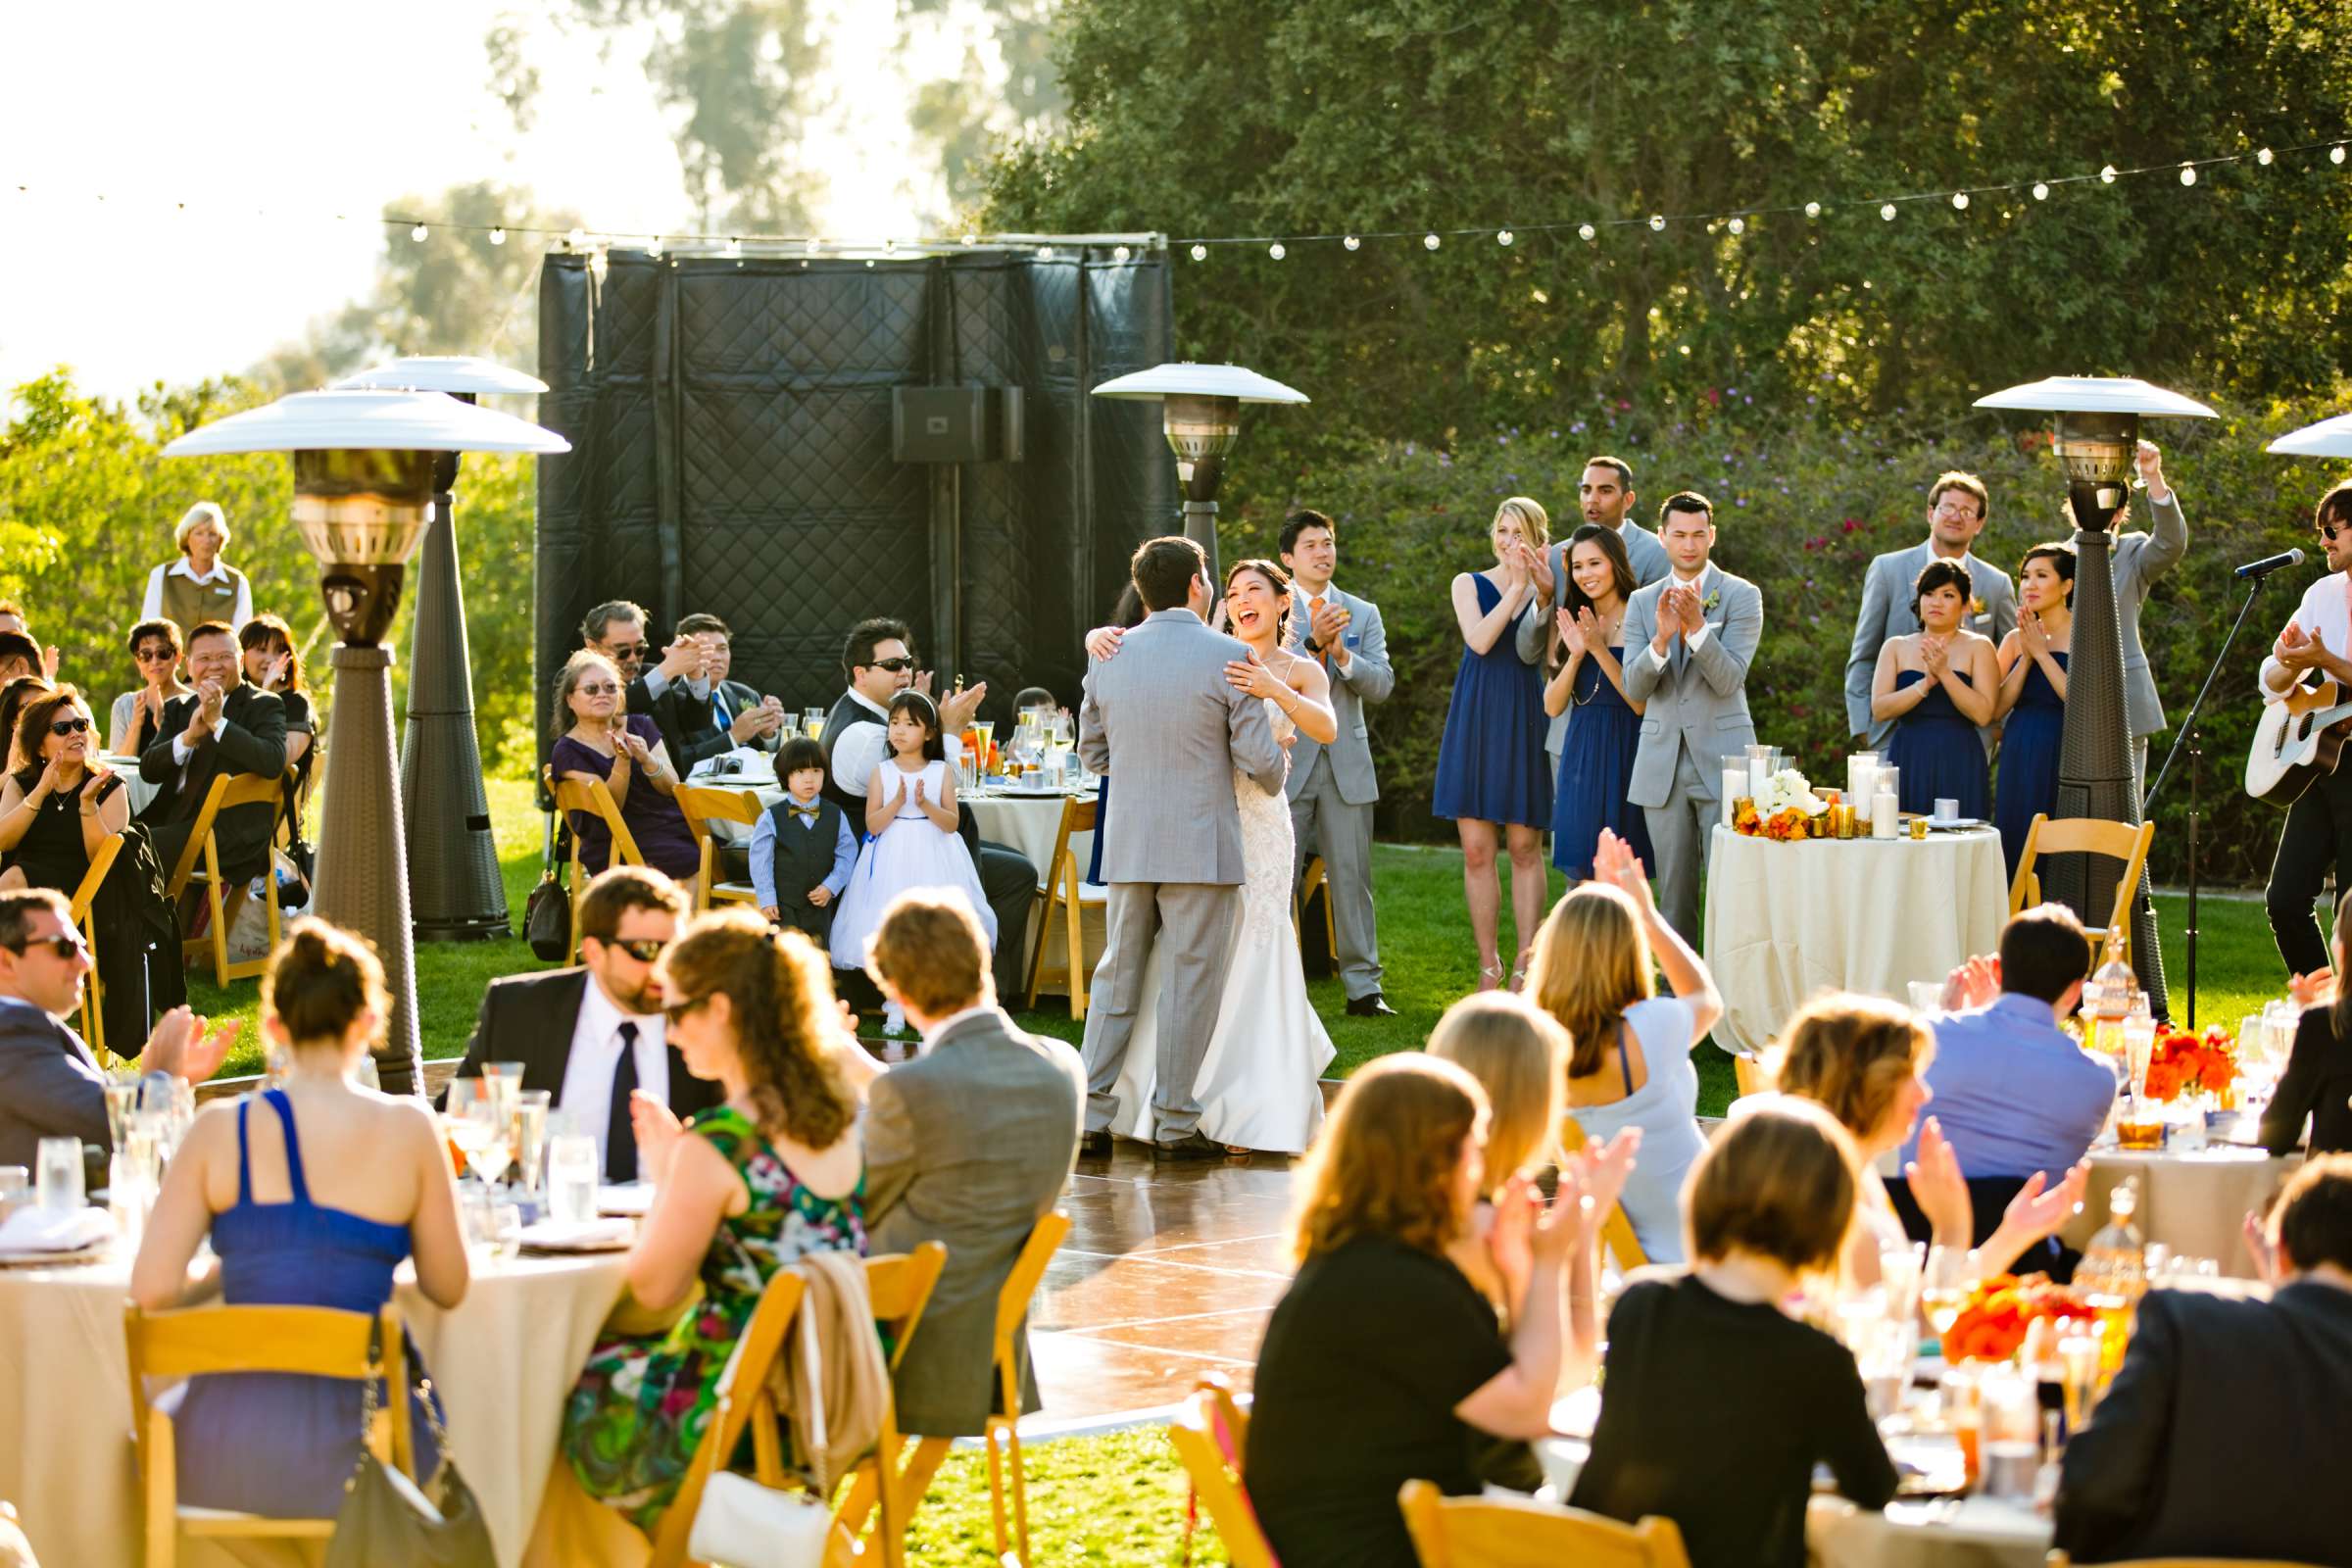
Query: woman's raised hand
(1102, 642)
(1251, 675)
(1934, 657)
(1615, 862)
(2032, 634)
(1572, 632)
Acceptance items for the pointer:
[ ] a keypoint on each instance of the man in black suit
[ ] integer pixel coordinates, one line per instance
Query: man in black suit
(50, 1085)
(732, 716)
(2221, 1434)
(225, 726)
(673, 685)
(593, 1036)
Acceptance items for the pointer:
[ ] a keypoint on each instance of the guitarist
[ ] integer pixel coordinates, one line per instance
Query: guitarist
(2318, 834)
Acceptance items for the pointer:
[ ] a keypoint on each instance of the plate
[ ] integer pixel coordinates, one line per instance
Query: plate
(1953, 824)
(596, 1236)
(36, 1257)
(624, 1198)
(1012, 793)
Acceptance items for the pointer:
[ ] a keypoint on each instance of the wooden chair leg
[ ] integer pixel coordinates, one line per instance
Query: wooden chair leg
(163, 1493)
(217, 902)
(996, 1483)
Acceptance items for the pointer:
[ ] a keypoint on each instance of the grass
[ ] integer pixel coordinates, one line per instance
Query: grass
(1112, 1499)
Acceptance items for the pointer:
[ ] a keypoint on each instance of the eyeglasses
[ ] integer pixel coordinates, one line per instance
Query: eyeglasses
(2329, 530)
(626, 650)
(674, 1010)
(894, 666)
(67, 945)
(69, 726)
(599, 688)
(156, 652)
(645, 950)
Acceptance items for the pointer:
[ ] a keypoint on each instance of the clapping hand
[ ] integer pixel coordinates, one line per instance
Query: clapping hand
(1973, 983)
(658, 1129)
(178, 1045)
(1938, 1183)
(1601, 1170)
(99, 773)
(2260, 1248)
(2297, 648)
(1571, 633)
(2314, 990)
(273, 679)
(1539, 570)
(1934, 657)
(2034, 636)
(1328, 623)
(2036, 1214)
(956, 712)
(683, 658)
(1693, 613)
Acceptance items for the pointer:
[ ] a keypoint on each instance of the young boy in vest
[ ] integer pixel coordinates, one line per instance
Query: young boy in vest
(803, 849)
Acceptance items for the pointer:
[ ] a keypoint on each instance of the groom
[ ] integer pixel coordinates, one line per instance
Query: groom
(1165, 716)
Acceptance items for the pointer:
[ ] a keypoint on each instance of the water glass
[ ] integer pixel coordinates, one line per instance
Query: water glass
(504, 1080)
(2012, 1434)
(530, 1134)
(572, 1172)
(365, 1076)
(2139, 1046)
(57, 1166)
(1927, 996)
(15, 1189)
(121, 1094)
(493, 1230)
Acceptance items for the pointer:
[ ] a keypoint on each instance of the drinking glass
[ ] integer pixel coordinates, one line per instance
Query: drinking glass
(1927, 996)
(466, 1118)
(479, 1210)
(530, 1134)
(2012, 1434)
(1899, 1271)
(1944, 1285)
(15, 1189)
(2139, 1045)
(121, 1094)
(57, 1175)
(504, 1080)
(984, 731)
(571, 1171)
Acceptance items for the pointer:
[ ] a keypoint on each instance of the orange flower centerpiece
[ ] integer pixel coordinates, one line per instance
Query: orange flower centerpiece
(2183, 1063)
(1992, 1324)
(1783, 810)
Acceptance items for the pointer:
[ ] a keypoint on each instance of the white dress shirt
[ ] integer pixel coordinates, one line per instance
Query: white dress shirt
(1692, 641)
(862, 750)
(2325, 614)
(587, 1093)
(1302, 621)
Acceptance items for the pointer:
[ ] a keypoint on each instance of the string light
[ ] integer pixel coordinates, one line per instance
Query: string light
(498, 236)
(1585, 231)
(1960, 201)
(1045, 253)
(2264, 157)
(1502, 237)
(2335, 153)
(971, 239)
(2041, 190)
(1352, 243)
(1277, 251)
(1657, 222)
(1200, 253)
(2107, 174)
(1886, 210)
(1121, 253)
(417, 233)
(2188, 175)
(1812, 209)
(1430, 242)
(1738, 225)
(576, 239)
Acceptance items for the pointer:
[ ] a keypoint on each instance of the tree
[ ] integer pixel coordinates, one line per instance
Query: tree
(1344, 116)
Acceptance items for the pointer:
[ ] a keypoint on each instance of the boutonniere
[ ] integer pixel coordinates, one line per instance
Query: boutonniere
(1976, 606)
(1712, 603)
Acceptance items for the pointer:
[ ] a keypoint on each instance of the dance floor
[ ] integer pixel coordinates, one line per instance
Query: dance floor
(1169, 1271)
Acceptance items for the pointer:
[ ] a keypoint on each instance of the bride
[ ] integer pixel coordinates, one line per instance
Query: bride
(1257, 1088)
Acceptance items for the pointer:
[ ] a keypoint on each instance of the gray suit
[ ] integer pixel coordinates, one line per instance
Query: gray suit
(50, 1085)
(2139, 560)
(1648, 557)
(1695, 712)
(1332, 788)
(1886, 612)
(970, 1144)
(1162, 715)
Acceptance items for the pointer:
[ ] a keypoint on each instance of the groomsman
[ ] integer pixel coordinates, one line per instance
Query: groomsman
(2139, 560)
(1605, 494)
(1689, 640)
(1332, 787)
(1957, 504)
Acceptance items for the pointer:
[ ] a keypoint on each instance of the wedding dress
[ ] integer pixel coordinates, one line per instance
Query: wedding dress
(1258, 1083)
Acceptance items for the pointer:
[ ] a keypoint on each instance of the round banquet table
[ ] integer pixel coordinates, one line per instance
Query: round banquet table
(2194, 1203)
(137, 791)
(1785, 921)
(504, 1361)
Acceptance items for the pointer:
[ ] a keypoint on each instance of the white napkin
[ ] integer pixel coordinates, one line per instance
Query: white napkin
(624, 1198)
(34, 1229)
(582, 1235)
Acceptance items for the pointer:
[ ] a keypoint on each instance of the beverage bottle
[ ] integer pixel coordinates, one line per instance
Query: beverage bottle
(2115, 983)
(2115, 1262)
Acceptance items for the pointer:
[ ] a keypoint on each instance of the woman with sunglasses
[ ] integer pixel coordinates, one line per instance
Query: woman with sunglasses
(598, 740)
(745, 1189)
(135, 721)
(59, 801)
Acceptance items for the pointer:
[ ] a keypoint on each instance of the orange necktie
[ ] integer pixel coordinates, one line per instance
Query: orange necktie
(1322, 654)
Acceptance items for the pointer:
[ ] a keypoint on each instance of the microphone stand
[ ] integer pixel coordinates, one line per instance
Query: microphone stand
(2187, 736)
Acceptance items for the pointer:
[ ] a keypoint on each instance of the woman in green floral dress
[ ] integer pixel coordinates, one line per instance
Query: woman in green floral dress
(772, 1174)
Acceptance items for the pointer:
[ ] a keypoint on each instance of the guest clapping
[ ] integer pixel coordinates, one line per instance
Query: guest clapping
(2317, 1085)
(1491, 777)
(1351, 1401)
(60, 803)
(1936, 685)
(199, 586)
(1596, 754)
(1629, 1063)
(268, 662)
(1716, 1404)
(312, 1204)
(771, 1175)
(137, 715)
(41, 660)
(598, 740)
(2033, 697)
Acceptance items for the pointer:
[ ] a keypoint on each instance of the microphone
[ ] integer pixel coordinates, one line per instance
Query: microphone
(2270, 564)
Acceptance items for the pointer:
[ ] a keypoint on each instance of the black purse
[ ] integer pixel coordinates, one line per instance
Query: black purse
(387, 1521)
(546, 914)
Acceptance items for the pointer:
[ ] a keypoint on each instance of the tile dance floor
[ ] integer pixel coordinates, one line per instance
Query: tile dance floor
(1169, 1271)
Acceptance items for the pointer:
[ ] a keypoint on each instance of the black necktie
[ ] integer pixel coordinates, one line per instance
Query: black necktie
(620, 1137)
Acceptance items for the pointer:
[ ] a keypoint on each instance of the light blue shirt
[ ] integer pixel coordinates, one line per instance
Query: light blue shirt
(764, 849)
(2013, 1092)
(1666, 1109)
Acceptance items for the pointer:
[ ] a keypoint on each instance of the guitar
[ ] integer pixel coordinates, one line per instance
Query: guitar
(2301, 738)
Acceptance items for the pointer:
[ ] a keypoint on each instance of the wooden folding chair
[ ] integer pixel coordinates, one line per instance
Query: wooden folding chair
(900, 1288)
(1749, 1075)
(229, 790)
(2086, 835)
(1616, 1230)
(593, 799)
(1067, 890)
(1211, 1451)
(700, 804)
(1002, 1434)
(315, 1340)
(2059, 1559)
(1522, 1533)
(93, 1025)
(1315, 879)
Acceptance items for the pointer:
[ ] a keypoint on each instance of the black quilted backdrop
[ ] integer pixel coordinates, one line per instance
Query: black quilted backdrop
(731, 453)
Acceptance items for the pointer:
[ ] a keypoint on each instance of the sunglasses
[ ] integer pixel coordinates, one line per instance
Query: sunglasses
(894, 666)
(676, 1011)
(156, 653)
(596, 689)
(645, 950)
(2329, 530)
(627, 650)
(69, 726)
(67, 946)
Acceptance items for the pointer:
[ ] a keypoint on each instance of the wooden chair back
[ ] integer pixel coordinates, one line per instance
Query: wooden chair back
(2086, 835)
(592, 797)
(1002, 1434)
(1062, 890)
(2057, 1559)
(93, 1020)
(314, 1341)
(1313, 879)
(1748, 1074)
(222, 903)
(1616, 1231)
(1522, 1533)
(700, 804)
(1217, 1479)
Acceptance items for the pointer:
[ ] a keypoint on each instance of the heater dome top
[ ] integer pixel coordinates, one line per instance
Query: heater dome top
(2096, 394)
(1186, 378)
(443, 373)
(2330, 438)
(399, 421)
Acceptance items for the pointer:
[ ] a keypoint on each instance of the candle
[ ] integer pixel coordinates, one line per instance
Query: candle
(1882, 813)
(1759, 771)
(1735, 787)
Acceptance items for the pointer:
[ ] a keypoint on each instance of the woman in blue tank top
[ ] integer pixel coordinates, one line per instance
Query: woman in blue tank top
(322, 1231)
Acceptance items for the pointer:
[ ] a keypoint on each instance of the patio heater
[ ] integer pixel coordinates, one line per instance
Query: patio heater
(362, 492)
(1202, 413)
(2097, 429)
(454, 890)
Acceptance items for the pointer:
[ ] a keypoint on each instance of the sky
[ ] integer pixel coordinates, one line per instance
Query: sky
(171, 174)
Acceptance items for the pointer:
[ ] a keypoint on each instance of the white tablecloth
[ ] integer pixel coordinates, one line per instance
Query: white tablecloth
(2194, 1203)
(504, 1361)
(1785, 921)
(137, 791)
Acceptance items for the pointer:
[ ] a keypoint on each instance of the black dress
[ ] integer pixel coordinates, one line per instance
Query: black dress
(1713, 1413)
(2317, 1083)
(1364, 1359)
(50, 853)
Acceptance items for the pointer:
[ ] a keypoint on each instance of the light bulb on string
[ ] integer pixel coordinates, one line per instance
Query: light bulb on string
(1502, 236)
(1959, 201)
(1430, 242)
(1585, 231)
(1277, 249)
(1886, 210)
(1657, 222)
(1200, 253)
(653, 247)
(417, 233)
(576, 239)
(1121, 253)
(1352, 243)
(2041, 190)
(2335, 153)
(498, 236)
(2264, 157)
(1812, 209)
(1738, 225)
(971, 239)
(2188, 175)
(815, 247)
(889, 247)
(1045, 253)
(2107, 174)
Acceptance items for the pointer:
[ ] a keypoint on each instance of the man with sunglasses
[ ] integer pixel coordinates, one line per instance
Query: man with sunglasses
(594, 1036)
(879, 662)
(2316, 645)
(50, 1085)
(675, 694)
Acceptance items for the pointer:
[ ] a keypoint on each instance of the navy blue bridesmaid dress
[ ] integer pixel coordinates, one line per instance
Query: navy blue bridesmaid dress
(1940, 753)
(1491, 763)
(2030, 744)
(1596, 763)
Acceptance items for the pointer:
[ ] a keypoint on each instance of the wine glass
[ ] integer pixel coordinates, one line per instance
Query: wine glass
(1944, 1285)
(466, 1117)
(530, 1136)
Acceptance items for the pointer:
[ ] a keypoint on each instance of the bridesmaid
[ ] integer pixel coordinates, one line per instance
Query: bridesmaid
(1491, 764)
(2033, 694)
(1939, 685)
(1597, 757)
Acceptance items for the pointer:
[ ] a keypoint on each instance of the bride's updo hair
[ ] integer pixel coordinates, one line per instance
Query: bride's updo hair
(780, 991)
(319, 979)
(1277, 579)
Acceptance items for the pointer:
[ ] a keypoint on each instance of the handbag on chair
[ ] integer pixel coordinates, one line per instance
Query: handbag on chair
(387, 1521)
(546, 914)
(743, 1524)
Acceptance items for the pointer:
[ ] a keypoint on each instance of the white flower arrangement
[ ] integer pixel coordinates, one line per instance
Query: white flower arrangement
(1785, 790)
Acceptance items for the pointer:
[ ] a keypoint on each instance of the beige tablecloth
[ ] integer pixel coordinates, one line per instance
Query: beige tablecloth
(504, 1361)
(2194, 1203)
(1785, 921)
